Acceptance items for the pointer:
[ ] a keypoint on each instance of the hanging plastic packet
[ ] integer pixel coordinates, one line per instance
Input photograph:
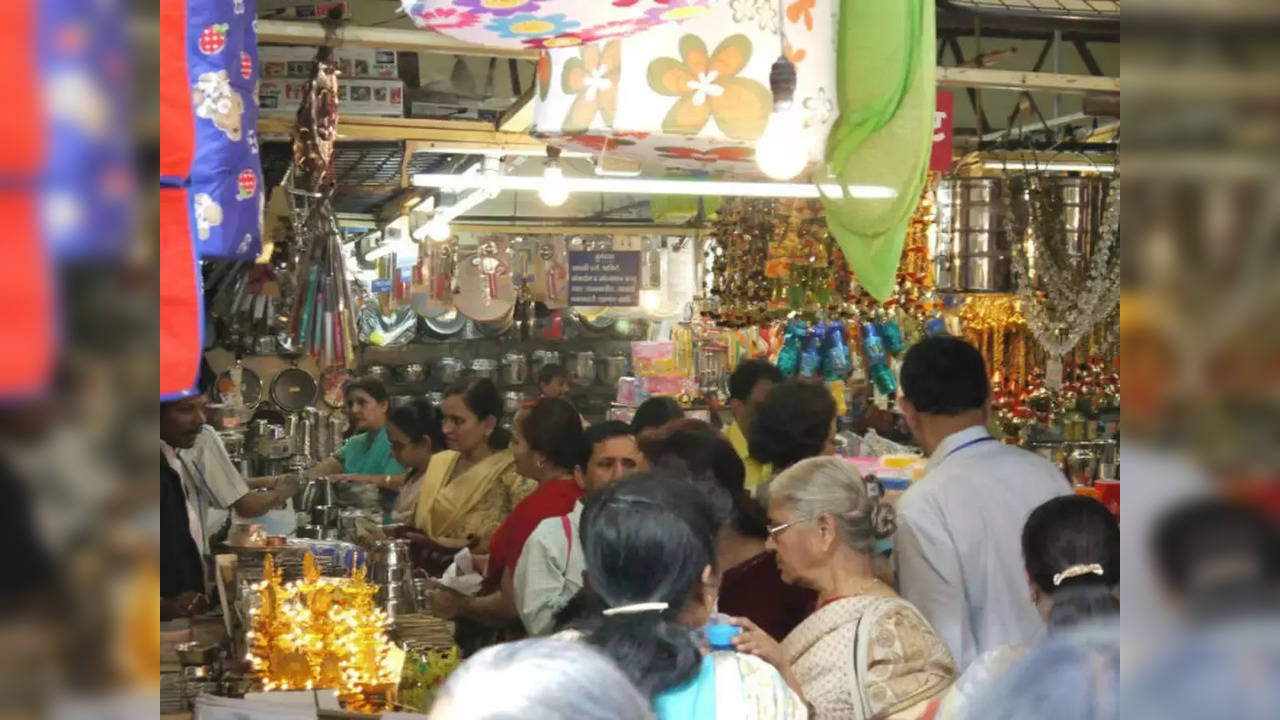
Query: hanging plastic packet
(789, 355)
(836, 361)
(810, 358)
(891, 331)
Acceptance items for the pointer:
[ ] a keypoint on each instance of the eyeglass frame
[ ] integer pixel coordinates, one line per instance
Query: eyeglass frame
(775, 530)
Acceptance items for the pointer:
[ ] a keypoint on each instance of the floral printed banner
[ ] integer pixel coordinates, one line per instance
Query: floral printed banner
(691, 98)
(542, 24)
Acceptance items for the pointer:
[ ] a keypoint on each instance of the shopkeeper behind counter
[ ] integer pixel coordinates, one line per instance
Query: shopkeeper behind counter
(364, 462)
(196, 474)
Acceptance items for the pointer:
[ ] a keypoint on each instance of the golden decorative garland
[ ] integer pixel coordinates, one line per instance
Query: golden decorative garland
(322, 632)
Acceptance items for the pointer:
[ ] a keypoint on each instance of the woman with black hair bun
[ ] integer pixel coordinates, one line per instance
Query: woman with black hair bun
(650, 546)
(416, 433)
(1071, 553)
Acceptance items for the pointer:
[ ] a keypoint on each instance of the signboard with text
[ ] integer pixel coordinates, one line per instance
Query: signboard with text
(943, 131)
(604, 278)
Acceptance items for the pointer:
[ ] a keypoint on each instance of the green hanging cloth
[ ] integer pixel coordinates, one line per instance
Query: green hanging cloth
(883, 137)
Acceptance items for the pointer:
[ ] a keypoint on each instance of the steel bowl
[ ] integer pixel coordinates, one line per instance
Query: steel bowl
(197, 653)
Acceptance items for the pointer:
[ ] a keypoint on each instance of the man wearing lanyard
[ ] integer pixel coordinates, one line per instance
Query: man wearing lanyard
(187, 490)
(958, 545)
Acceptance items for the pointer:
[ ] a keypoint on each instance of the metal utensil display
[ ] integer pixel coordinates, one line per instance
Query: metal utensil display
(582, 368)
(485, 368)
(449, 370)
(515, 368)
(293, 389)
(972, 250)
(381, 372)
(250, 385)
(511, 402)
(413, 372)
(613, 368)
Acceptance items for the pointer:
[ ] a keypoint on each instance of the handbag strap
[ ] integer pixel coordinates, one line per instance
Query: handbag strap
(568, 538)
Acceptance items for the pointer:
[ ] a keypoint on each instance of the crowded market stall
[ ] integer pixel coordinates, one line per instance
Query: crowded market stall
(710, 184)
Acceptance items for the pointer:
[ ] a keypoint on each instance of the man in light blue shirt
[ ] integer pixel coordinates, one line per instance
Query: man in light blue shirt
(958, 546)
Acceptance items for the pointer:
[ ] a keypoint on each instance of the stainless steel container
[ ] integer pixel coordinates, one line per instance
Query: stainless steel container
(449, 369)
(413, 372)
(582, 368)
(437, 399)
(382, 372)
(515, 368)
(485, 368)
(972, 250)
(542, 358)
(325, 516)
(613, 368)
(511, 402)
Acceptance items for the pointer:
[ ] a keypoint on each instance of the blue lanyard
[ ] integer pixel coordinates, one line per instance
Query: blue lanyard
(974, 441)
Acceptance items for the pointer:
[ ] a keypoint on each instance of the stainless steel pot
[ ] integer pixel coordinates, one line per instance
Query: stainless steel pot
(437, 399)
(449, 370)
(511, 402)
(542, 358)
(316, 493)
(390, 553)
(382, 372)
(515, 368)
(613, 368)
(325, 516)
(414, 372)
(582, 369)
(485, 368)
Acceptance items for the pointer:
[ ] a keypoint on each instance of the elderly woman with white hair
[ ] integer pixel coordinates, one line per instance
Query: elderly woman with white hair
(542, 679)
(865, 653)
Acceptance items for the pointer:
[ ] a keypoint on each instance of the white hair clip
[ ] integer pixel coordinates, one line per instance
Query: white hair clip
(1077, 571)
(637, 608)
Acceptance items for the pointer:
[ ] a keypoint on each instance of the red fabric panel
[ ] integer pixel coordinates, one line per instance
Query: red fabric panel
(28, 334)
(180, 304)
(177, 123)
(551, 499)
(21, 126)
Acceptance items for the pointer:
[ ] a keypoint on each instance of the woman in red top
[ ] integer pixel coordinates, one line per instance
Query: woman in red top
(548, 444)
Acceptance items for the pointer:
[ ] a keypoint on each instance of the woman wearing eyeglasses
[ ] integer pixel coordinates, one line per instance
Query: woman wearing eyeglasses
(865, 653)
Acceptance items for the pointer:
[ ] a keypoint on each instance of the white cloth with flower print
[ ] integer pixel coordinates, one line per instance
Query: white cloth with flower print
(690, 99)
(544, 24)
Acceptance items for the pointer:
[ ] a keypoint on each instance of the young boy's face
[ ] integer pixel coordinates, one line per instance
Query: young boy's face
(557, 388)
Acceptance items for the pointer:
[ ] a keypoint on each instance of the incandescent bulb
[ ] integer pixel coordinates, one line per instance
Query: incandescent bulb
(650, 300)
(553, 192)
(437, 228)
(782, 150)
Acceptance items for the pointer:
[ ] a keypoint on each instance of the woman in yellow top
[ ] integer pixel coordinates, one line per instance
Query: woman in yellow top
(469, 489)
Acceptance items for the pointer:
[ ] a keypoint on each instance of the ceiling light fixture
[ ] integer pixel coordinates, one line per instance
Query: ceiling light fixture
(781, 151)
(553, 192)
(661, 186)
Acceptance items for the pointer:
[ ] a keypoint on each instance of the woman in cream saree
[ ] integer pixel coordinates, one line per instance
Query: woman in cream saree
(868, 657)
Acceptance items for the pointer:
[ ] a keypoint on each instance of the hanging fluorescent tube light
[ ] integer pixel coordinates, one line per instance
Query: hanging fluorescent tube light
(1025, 166)
(657, 186)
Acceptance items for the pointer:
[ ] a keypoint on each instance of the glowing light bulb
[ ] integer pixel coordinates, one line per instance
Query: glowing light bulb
(650, 300)
(553, 192)
(782, 151)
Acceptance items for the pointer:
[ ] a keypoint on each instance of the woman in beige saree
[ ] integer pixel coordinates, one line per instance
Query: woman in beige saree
(865, 653)
(469, 489)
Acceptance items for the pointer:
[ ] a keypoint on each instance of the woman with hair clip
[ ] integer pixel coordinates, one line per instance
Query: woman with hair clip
(1071, 552)
(650, 546)
(469, 489)
(865, 653)
(416, 434)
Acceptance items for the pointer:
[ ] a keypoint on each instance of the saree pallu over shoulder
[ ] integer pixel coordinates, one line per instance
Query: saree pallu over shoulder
(866, 658)
(473, 503)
